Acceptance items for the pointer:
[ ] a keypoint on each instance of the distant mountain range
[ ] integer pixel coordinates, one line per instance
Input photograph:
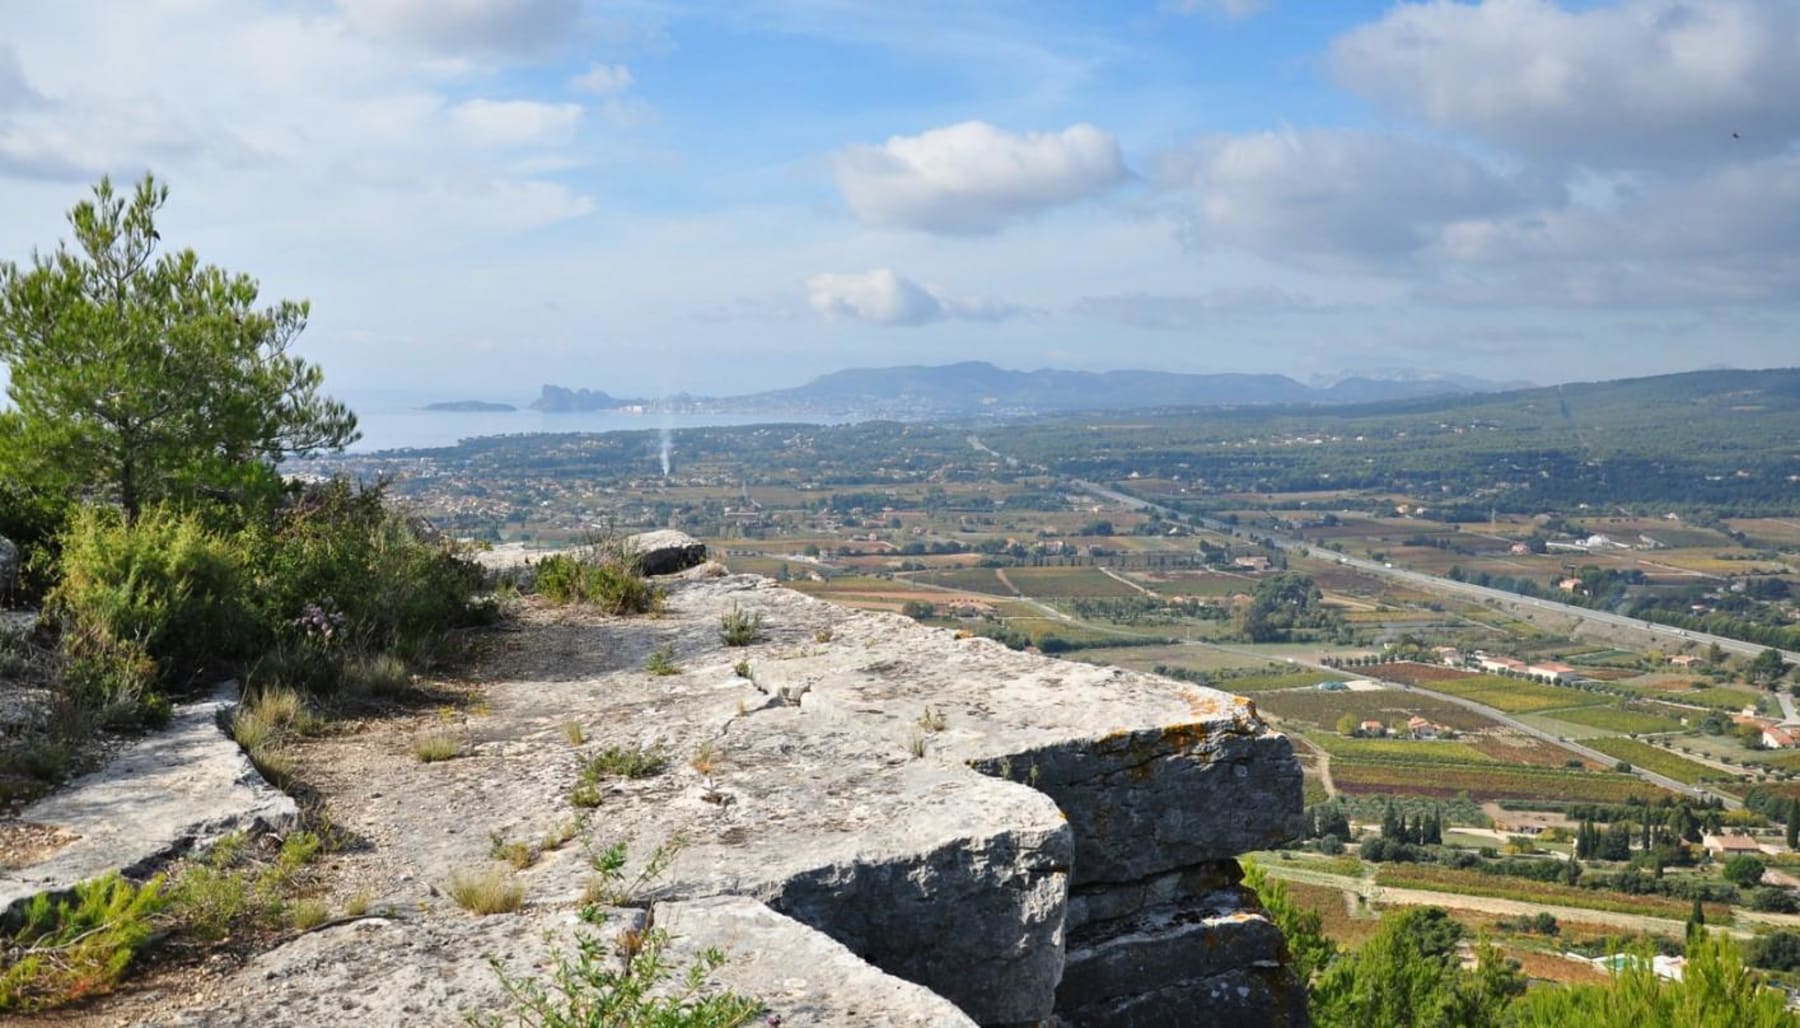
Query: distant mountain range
(977, 387)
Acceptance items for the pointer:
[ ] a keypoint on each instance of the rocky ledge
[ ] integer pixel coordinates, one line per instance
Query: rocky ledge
(881, 823)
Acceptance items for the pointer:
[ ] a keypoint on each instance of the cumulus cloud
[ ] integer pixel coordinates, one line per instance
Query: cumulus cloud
(972, 178)
(603, 79)
(1151, 310)
(1638, 83)
(1731, 235)
(515, 122)
(1335, 196)
(884, 297)
(500, 27)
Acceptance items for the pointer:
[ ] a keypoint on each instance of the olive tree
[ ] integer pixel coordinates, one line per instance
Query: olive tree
(139, 374)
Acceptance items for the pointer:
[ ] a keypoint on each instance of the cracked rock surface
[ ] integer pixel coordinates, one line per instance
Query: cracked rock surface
(881, 823)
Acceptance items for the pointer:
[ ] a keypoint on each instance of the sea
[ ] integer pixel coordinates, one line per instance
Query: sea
(399, 427)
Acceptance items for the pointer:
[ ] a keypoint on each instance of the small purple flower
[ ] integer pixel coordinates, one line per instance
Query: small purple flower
(319, 619)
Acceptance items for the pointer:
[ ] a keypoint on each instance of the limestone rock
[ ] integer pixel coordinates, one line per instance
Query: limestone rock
(182, 787)
(665, 552)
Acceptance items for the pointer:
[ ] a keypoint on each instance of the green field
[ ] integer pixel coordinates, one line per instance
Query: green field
(1322, 709)
(1488, 781)
(977, 580)
(1408, 751)
(1057, 583)
(1650, 758)
(1617, 719)
(1274, 682)
(1513, 695)
(1524, 890)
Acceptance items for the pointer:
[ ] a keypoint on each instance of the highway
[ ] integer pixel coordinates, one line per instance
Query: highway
(1673, 636)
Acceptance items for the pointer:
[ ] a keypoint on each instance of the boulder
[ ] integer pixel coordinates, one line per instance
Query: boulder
(9, 567)
(664, 552)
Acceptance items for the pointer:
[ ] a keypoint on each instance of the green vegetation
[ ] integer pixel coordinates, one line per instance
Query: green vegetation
(487, 892)
(1410, 973)
(67, 950)
(737, 628)
(661, 661)
(1617, 719)
(1651, 758)
(1513, 695)
(603, 578)
(1478, 883)
(626, 762)
(435, 747)
(1491, 781)
(590, 989)
(143, 377)
(1715, 991)
(1405, 751)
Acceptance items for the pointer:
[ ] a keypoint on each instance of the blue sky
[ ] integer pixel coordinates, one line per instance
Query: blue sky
(651, 195)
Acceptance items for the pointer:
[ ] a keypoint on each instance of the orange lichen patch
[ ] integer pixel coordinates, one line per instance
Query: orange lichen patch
(1204, 704)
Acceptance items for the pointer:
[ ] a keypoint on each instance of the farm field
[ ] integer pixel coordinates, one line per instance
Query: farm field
(1404, 751)
(1056, 583)
(1476, 883)
(1145, 658)
(1615, 719)
(1489, 781)
(1322, 709)
(1649, 757)
(1274, 682)
(979, 580)
(1514, 695)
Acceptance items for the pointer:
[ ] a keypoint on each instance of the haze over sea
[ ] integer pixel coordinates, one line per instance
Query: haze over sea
(396, 425)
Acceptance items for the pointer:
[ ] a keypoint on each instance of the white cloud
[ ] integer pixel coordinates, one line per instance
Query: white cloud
(972, 178)
(1636, 83)
(1229, 8)
(516, 122)
(1729, 236)
(1335, 197)
(501, 27)
(883, 297)
(603, 79)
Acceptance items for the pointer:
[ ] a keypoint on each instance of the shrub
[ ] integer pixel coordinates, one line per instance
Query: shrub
(591, 988)
(606, 581)
(75, 947)
(307, 913)
(487, 892)
(147, 607)
(737, 628)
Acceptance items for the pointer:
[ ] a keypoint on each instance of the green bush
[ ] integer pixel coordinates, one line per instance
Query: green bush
(147, 607)
(72, 948)
(605, 580)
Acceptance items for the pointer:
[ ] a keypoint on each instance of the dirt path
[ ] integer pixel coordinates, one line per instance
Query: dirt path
(1374, 893)
(1122, 580)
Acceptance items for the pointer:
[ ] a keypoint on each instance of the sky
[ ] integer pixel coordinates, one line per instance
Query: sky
(651, 196)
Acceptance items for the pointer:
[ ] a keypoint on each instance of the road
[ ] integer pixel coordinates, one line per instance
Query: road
(1672, 636)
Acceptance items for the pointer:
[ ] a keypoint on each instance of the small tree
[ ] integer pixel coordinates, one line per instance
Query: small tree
(1743, 871)
(137, 376)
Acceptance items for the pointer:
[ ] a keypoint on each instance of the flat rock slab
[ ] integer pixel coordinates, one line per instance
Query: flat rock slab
(440, 971)
(180, 787)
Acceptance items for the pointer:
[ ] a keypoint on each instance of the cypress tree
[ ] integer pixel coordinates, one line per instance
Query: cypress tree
(1793, 823)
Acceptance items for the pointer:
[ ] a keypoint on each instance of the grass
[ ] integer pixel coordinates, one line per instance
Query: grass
(736, 628)
(433, 747)
(1513, 695)
(626, 762)
(574, 733)
(1491, 781)
(520, 855)
(385, 675)
(307, 914)
(1524, 890)
(661, 662)
(1323, 709)
(1650, 758)
(1400, 750)
(1617, 719)
(605, 580)
(1273, 682)
(487, 892)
